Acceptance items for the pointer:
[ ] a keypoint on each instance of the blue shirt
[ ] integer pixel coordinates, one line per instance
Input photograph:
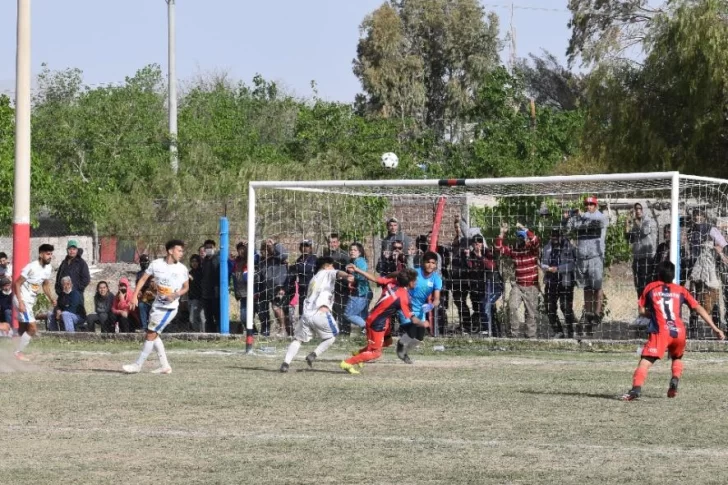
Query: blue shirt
(426, 286)
(360, 282)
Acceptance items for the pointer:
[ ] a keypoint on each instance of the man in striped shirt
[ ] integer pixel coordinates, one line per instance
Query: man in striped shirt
(525, 259)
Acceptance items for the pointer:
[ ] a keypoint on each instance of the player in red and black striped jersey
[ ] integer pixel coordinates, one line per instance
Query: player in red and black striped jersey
(661, 302)
(394, 298)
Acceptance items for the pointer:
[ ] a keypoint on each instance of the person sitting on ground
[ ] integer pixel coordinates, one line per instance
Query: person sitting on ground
(69, 309)
(103, 303)
(122, 306)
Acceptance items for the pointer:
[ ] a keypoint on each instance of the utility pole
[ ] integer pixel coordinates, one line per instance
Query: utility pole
(21, 197)
(172, 85)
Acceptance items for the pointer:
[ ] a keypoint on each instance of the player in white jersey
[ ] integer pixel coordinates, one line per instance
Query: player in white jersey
(34, 278)
(317, 314)
(172, 282)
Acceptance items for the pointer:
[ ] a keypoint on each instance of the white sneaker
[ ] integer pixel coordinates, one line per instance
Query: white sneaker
(162, 370)
(132, 368)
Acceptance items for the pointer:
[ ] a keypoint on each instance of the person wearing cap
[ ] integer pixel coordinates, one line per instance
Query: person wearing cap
(641, 232)
(557, 263)
(394, 233)
(304, 269)
(74, 266)
(590, 230)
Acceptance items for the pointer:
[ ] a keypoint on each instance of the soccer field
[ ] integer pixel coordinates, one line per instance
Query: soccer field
(70, 416)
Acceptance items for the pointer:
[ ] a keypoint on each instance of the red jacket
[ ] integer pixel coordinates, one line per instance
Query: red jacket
(525, 258)
(121, 301)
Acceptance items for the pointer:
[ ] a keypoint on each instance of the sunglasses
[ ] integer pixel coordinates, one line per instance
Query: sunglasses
(397, 248)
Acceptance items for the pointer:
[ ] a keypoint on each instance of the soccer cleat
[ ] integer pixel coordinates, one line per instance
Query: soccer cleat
(162, 370)
(284, 367)
(21, 356)
(672, 390)
(348, 367)
(132, 368)
(310, 358)
(407, 359)
(400, 351)
(630, 396)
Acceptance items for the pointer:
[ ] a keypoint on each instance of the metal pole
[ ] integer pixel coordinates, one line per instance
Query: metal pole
(172, 85)
(675, 222)
(21, 202)
(224, 278)
(251, 271)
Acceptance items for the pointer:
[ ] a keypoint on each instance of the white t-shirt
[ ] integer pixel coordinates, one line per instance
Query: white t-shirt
(169, 279)
(35, 274)
(320, 292)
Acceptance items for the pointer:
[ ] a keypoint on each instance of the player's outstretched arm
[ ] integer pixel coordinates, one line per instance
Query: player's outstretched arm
(707, 319)
(365, 274)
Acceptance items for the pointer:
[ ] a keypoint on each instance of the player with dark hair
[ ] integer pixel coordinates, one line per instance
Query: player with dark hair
(394, 298)
(317, 313)
(429, 283)
(172, 282)
(34, 278)
(661, 303)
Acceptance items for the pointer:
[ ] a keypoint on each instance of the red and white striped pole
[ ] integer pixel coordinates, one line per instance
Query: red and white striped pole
(21, 203)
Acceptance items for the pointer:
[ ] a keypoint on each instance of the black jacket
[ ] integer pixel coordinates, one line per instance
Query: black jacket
(77, 269)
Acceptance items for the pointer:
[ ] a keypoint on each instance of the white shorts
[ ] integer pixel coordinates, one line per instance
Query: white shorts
(160, 318)
(27, 316)
(322, 323)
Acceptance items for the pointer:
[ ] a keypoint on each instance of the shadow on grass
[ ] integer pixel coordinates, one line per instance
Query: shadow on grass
(609, 396)
(277, 371)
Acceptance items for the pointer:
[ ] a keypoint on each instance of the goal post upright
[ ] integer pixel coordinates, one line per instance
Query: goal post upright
(675, 223)
(250, 300)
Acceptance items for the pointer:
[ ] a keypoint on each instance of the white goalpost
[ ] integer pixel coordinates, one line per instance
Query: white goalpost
(290, 223)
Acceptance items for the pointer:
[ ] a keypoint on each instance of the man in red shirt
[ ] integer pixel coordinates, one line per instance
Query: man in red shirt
(395, 298)
(525, 259)
(661, 302)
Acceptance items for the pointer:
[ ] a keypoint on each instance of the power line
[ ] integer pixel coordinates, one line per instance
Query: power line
(524, 7)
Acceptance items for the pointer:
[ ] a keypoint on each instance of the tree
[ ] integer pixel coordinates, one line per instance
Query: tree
(7, 148)
(669, 113)
(551, 84)
(423, 60)
(96, 142)
(605, 29)
(508, 138)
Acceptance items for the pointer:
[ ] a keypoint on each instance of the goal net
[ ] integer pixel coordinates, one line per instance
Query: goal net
(562, 268)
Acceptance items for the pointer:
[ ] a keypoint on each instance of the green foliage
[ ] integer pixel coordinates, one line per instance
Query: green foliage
(669, 113)
(421, 61)
(7, 148)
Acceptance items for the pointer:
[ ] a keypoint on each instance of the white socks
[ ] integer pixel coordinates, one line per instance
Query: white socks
(159, 347)
(324, 346)
(24, 341)
(146, 350)
(292, 351)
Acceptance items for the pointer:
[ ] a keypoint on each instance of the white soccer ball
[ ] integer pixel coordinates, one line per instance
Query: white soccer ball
(390, 160)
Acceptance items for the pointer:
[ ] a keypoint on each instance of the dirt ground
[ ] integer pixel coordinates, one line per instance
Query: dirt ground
(224, 417)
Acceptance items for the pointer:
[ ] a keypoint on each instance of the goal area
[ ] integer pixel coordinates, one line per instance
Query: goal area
(683, 219)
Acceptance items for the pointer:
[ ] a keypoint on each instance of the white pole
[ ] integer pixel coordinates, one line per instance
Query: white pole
(21, 202)
(675, 223)
(172, 85)
(251, 270)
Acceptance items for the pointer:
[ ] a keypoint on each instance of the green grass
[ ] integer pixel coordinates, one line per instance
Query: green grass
(70, 416)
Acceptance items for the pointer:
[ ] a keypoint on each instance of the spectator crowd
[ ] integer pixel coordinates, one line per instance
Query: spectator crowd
(546, 274)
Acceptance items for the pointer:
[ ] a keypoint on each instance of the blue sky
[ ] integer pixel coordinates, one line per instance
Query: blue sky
(290, 41)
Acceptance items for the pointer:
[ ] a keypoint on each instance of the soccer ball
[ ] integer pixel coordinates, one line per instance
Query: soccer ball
(390, 160)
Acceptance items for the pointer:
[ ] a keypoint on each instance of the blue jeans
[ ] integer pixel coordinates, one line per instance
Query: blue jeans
(144, 309)
(356, 310)
(70, 320)
(493, 292)
(8, 316)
